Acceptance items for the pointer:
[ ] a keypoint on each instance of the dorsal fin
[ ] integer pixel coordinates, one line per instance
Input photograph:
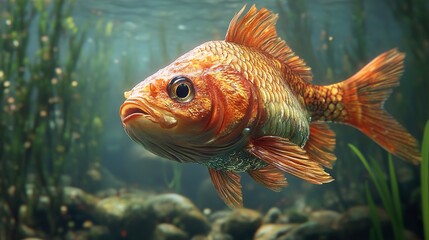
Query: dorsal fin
(257, 29)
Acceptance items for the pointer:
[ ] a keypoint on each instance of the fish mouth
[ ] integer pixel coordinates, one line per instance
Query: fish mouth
(133, 112)
(133, 109)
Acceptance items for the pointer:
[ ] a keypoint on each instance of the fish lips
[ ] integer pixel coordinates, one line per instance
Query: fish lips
(133, 110)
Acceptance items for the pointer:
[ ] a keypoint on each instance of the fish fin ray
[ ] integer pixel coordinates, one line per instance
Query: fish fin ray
(270, 177)
(257, 29)
(321, 144)
(364, 97)
(227, 185)
(288, 157)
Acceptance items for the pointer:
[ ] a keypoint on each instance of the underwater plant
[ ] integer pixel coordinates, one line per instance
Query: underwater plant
(38, 86)
(389, 195)
(50, 117)
(389, 192)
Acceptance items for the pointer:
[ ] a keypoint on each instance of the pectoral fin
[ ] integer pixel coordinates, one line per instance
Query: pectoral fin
(227, 185)
(288, 157)
(270, 177)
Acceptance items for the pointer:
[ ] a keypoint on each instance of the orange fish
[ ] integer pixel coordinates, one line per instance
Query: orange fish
(246, 104)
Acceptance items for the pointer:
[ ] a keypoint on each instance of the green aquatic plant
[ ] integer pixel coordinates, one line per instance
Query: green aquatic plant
(389, 195)
(50, 111)
(33, 116)
(424, 177)
(376, 232)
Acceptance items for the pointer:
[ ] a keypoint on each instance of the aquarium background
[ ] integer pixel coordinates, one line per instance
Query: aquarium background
(69, 171)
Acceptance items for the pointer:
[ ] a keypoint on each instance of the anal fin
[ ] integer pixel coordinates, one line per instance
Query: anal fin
(321, 144)
(288, 157)
(270, 177)
(227, 185)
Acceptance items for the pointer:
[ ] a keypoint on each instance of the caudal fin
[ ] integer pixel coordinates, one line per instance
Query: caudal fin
(364, 97)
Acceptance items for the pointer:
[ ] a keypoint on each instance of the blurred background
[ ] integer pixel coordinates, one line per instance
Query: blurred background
(64, 65)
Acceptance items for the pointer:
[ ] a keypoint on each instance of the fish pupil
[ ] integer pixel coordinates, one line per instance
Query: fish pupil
(182, 90)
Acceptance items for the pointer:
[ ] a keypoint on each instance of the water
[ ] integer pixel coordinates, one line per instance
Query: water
(65, 135)
(194, 22)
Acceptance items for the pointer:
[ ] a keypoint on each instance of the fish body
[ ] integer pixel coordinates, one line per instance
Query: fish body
(247, 104)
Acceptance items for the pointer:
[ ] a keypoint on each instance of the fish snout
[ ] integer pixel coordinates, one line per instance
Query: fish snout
(134, 109)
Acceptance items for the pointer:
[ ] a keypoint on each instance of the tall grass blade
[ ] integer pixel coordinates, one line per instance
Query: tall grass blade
(383, 189)
(376, 176)
(399, 224)
(389, 196)
(376, 232)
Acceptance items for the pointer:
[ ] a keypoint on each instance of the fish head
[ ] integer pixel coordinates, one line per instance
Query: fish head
(174, 101)
(195, 103)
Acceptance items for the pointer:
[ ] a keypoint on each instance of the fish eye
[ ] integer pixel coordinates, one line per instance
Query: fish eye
(181, 89)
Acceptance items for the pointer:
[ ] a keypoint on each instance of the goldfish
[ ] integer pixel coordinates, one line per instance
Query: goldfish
(248, 104)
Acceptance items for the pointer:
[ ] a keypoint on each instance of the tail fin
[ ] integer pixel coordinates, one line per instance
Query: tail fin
(364, 97)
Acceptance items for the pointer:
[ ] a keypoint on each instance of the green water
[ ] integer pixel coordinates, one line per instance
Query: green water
(62, 78)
